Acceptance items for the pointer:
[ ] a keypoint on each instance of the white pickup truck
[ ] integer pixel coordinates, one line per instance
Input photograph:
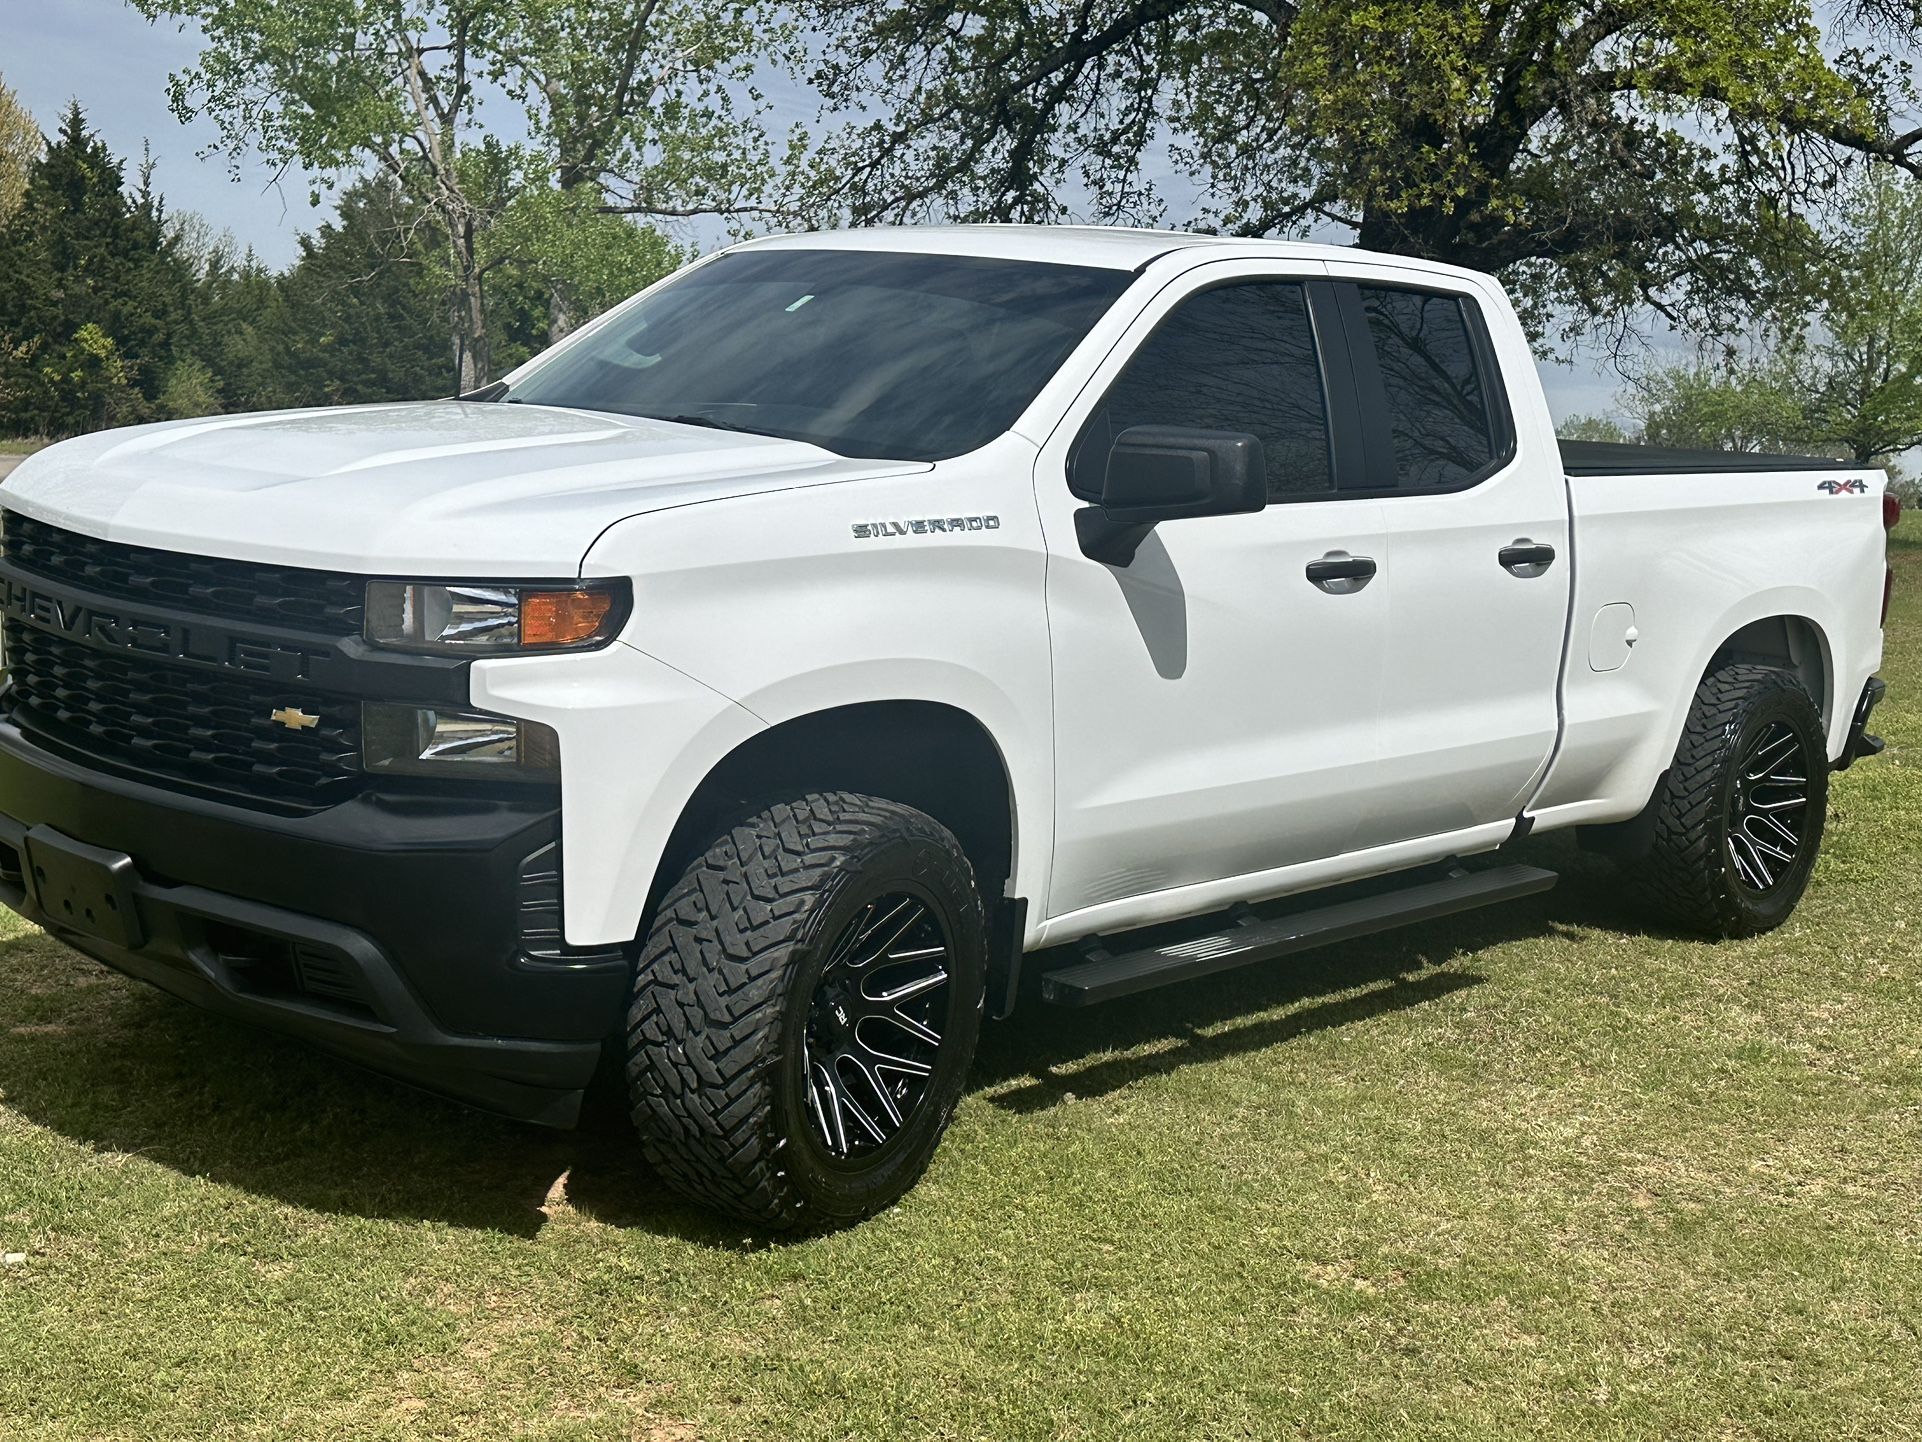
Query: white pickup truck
(753, 680)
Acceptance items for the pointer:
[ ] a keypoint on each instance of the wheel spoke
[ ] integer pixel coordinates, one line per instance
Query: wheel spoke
(1769, 753)
(906, 1066)
(1754, 869)
(919, 1030)
(881, 1093)
(1788, 837)
(827, 1109)
(861, 1119)
(894, 996)
(892, 926)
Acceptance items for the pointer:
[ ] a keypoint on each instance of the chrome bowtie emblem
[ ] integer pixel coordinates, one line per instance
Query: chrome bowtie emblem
(293, 718)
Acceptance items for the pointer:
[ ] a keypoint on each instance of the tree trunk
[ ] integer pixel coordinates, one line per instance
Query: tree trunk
(470, 315)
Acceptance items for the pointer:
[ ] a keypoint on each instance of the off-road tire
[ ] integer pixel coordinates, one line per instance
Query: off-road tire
(1689, 874)
(721, 1005)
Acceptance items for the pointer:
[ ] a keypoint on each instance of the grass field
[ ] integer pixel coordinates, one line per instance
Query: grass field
(1544, 1172)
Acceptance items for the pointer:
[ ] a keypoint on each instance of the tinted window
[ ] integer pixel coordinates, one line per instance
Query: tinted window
(1437, 400)
(1236, 358)
(868, 353)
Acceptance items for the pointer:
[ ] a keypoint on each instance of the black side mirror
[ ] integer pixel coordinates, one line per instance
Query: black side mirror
(1169, 473)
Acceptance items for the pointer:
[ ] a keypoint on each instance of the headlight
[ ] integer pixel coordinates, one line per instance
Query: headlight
(480, 618)
(400, 740)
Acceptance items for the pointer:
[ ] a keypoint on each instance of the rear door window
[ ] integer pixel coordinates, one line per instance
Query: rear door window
(1441, 425)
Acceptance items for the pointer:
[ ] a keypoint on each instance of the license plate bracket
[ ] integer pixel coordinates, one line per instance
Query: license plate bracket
(85, 888)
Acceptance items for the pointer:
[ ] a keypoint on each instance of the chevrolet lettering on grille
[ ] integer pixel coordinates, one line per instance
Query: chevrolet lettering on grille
(208, 645)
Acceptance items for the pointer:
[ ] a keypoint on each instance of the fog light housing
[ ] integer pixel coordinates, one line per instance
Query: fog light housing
(398, 740)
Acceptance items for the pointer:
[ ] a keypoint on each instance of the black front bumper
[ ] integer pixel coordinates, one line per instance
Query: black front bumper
(408, 931)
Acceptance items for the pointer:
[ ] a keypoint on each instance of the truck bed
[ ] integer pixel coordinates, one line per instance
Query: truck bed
(1614, 458)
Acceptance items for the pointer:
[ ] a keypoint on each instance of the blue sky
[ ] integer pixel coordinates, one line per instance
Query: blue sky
(102, 53)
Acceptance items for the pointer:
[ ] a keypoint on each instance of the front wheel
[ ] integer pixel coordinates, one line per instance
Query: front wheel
(1739, 816)
(805, 1011)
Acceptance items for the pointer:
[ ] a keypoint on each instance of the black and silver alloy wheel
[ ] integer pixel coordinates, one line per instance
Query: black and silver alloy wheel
(1768, 805)
(873, 1027)
(805, 1010)
(1736, 821)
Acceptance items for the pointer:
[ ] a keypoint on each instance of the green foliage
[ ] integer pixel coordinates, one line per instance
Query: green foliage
(1593, 428)
(95, 295)
(20, 146)
(365, 308)
(1839, 373)
(630, 109)
(188, 390)
(1858, 365)
(1599, 154)
(1748, 406)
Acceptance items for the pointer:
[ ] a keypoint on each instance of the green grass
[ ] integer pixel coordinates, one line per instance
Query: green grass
(1543, 1172)
(21, 446)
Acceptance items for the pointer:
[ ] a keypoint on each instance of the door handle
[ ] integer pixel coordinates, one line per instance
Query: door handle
(1526, 558)
(1340, 574)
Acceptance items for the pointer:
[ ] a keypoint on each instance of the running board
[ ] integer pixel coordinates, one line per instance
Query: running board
(1106, 975)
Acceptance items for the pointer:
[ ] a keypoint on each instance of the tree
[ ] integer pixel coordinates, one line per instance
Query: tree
(96, 296)
(1600, 154)
(1593, 428)
(1858, 366)
(1838, 373)
(628, 89)
(20, 146)
(364, 310)
(1726, 405)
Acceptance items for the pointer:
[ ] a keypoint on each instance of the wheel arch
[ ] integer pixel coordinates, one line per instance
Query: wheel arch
(1789, 642)
(931, 755)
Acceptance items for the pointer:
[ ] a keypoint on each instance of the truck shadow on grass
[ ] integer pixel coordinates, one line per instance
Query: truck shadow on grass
(120, 1069)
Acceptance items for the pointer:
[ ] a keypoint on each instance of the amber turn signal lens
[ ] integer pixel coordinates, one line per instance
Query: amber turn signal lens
(563, 618)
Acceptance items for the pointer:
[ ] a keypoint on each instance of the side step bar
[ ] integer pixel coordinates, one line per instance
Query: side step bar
(1106, 975)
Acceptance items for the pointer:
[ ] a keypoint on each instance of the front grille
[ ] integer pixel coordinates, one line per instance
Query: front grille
(174, 722)
(325, 602)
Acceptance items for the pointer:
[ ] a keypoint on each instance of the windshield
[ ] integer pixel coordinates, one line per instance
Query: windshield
(868, 353)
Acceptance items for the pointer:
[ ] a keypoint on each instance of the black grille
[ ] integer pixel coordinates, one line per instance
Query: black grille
(326, 602)
(157, 720)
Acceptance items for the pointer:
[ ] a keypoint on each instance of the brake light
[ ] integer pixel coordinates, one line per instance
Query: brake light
(1891, 510)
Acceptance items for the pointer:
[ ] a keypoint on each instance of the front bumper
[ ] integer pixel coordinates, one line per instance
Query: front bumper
(415, 933)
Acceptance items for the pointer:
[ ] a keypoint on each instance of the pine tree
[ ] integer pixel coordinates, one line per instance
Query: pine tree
(93, 293)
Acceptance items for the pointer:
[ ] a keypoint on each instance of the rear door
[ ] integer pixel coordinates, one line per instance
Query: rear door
(1478, 568)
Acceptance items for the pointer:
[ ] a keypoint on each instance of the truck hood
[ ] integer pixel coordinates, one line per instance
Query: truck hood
(428, 488)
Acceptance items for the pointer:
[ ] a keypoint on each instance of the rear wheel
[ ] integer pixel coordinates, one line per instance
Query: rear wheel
(805, 1010)
(1739, 816)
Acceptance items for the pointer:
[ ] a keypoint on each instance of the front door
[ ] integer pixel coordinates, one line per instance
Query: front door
(1217, 700)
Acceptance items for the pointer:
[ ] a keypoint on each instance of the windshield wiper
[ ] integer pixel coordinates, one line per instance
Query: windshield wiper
(710, 422)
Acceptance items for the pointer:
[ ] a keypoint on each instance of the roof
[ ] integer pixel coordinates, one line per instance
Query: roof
(1109, 247)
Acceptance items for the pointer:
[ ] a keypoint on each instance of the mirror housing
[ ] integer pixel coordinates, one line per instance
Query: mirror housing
(1169, 473)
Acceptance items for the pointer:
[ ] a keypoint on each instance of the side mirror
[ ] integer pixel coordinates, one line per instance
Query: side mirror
(1169, 473)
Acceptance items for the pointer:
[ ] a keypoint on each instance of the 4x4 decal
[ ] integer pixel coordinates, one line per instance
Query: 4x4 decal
(1844, 488)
